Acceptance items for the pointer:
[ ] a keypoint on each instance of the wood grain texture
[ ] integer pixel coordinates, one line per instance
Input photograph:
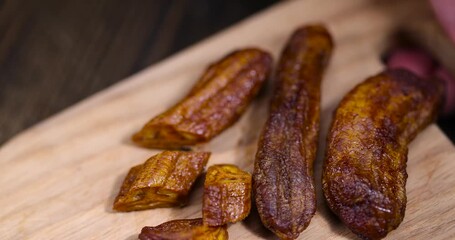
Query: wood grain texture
(58, 179)
(55, 53)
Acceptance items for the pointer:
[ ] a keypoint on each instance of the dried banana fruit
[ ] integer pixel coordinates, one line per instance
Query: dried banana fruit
(227, 195)
(283, 170)
(185, 229)
(364, 174)
(164, 180)
(216, 101)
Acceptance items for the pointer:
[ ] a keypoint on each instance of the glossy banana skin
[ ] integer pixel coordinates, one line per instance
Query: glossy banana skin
(227, 195)
(364, 174)
(283, 171)
(216, 102)
(164, 180)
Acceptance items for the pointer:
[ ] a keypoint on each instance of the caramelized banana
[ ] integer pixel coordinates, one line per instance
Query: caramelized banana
(185, 229)
(364, 175)
(283, 170)
(216, 102)
(164, 180)
(227, 195)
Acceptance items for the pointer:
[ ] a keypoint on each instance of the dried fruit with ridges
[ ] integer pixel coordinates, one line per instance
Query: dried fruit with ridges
(184, 229)
(164, 180)
(227, 195)
(216, 102)
(283, 171)
(364, 173)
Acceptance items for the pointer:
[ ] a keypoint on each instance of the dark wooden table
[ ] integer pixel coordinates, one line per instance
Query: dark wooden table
(54, 53)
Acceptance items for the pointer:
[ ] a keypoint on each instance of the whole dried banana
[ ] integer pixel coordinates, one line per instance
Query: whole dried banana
(364, 174)
(164, 180)
(185, 229)
(216, 101)
(283, 171)
(227, 195)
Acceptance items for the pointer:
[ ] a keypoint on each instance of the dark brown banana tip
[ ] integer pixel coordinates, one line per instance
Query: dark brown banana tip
(283, 171)
(364, 174)
(216, 102)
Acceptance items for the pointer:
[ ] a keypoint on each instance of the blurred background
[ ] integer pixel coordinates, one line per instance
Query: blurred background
(55, 53)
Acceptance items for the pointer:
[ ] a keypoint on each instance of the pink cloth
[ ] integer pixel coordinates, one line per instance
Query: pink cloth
(445, 12)
(422, 64)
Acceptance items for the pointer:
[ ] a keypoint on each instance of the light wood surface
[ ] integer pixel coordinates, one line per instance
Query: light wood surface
(58, 179)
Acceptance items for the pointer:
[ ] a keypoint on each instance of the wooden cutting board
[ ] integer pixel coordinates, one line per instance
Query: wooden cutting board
(59, 178)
